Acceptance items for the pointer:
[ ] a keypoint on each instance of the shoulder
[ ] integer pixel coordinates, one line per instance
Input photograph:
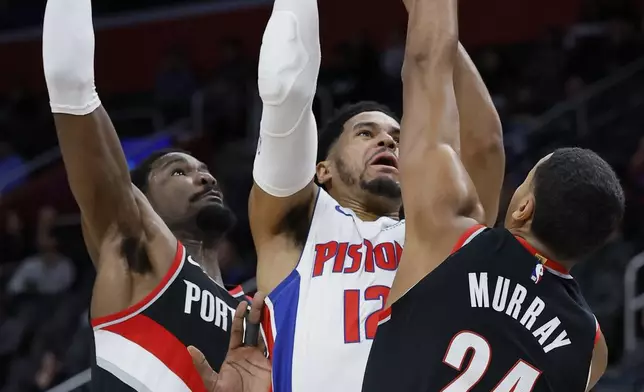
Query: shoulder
(31, 262)
(66, 263)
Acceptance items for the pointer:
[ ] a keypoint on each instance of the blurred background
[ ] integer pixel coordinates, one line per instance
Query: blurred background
(561, 72)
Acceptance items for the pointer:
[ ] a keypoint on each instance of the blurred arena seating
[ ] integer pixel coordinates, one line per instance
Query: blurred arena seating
(185, 75)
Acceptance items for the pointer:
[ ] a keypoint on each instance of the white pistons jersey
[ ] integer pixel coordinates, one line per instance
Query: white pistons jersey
(322, 319)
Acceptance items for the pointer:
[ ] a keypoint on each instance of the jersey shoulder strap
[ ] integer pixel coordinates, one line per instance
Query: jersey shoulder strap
(468, 235)
(245, 290)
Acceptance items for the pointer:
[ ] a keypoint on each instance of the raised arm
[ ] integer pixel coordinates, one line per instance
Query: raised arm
(482, 151)
(90, 242)
(96, 167)
(438, 195)
(289, 64)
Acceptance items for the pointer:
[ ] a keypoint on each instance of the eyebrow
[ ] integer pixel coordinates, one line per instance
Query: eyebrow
(170, 162)
(201, 167)
(372, 124)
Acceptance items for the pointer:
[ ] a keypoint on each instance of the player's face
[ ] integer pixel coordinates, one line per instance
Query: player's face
(522, 204)
(366, 154)
(181, 189)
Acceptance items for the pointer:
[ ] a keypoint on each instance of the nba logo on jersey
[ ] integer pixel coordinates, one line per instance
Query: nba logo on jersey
(537, 273)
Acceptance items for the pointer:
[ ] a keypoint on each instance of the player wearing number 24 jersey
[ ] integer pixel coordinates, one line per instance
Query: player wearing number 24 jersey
(495, 312)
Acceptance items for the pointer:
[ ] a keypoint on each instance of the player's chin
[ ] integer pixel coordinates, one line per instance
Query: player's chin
(385, 170)
(388, 176)
(215, 216)
(210, 200)
(383, 185)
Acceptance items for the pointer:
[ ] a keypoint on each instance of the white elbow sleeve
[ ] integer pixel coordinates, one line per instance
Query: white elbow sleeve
(289, 64)
(68, 56)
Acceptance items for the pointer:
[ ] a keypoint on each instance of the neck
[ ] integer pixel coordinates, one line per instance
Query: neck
(363, 212)
(539, 246)
(204, 253)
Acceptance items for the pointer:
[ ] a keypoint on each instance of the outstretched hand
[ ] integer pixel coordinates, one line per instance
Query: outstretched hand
(245, 369)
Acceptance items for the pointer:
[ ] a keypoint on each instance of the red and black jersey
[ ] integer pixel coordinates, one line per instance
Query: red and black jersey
(494, 316)
(245, 291)
(143, 348)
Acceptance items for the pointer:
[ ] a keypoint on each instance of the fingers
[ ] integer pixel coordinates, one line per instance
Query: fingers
(261, 344)
(256, 308)
(208, 376)
(253, 318)
(251, 333)
(237, 330)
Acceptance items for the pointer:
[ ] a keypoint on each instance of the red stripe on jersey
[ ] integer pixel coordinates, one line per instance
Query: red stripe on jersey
(384, 314)
(268, 333)
(553, 265)
(176, 263)
(466, 236)
(159, 342)
(237, 291)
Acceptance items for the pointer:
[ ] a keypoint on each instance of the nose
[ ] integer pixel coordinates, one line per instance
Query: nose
(384, 139)
(204, 179)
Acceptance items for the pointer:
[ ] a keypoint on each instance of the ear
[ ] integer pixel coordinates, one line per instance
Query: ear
(525, 210)
(323, 172)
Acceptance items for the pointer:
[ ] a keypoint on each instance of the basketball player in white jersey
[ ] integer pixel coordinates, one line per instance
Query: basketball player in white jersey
(328, 253)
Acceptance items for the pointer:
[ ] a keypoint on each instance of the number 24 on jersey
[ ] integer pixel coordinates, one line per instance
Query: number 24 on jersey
(521, 378)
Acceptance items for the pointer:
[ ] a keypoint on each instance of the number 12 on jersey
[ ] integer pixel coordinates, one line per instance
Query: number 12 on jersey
(373, 297)
(521, 378)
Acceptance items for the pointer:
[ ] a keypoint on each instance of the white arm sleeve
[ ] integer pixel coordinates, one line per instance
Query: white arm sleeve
(68, 56)
(289, 63)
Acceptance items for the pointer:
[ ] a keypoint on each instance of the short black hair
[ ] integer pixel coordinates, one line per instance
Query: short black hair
(333, 128)
(579, 202)
(141, 174)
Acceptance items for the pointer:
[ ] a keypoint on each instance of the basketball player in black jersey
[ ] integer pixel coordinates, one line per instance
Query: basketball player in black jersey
(151, 299)
(476, 309)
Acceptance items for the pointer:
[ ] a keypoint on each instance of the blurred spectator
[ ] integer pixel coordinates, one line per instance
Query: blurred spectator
(391, 58)
(574, 86)
(622, 45)
(546, 65)
(234, 65)
(15, 243)
(339, 76)
(78, 352)
(635, 199)
(599, 289)
(175, 85)
(227, 95)
(12, 168)
(490, 65)
(637, 168)
(47, 272)
(35, 291)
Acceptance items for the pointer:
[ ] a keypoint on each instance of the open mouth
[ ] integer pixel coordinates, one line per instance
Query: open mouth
(385, 159)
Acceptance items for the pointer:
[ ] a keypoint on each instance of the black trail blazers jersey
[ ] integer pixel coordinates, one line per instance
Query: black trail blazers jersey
(494, 317)
(143, 348)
